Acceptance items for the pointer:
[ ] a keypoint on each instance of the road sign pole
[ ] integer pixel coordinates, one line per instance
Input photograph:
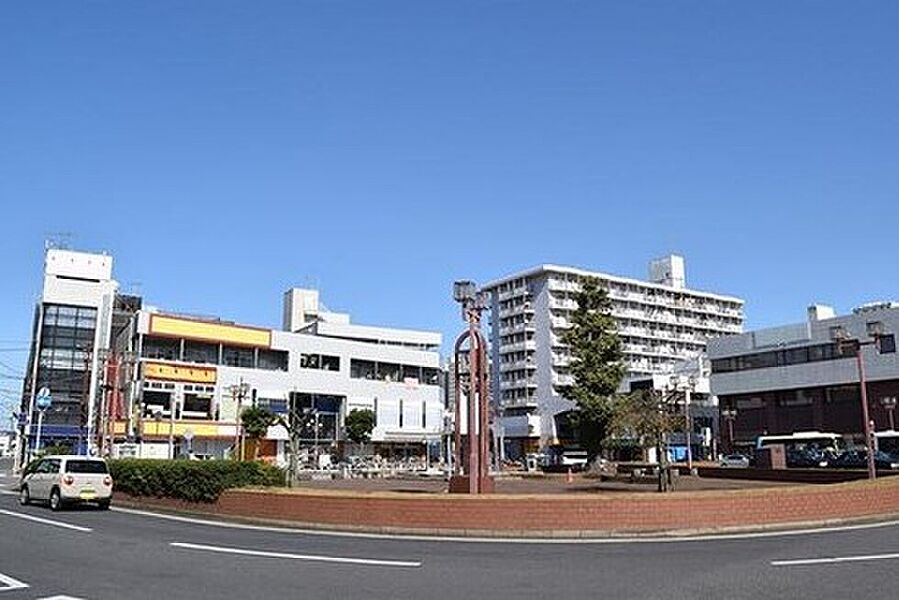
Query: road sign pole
(40, 425)
(42, 401)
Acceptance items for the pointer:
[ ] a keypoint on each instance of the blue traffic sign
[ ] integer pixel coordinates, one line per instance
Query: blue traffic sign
(43, 399)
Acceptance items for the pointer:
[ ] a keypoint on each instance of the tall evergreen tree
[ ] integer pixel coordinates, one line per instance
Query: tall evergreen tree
(596, 363)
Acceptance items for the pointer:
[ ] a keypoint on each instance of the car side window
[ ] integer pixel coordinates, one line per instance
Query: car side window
(52, 466)
(34, 467)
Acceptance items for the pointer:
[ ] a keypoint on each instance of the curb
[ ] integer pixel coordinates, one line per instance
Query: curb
(511, 535)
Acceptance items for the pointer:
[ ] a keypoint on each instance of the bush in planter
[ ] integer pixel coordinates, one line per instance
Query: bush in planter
(194, 481)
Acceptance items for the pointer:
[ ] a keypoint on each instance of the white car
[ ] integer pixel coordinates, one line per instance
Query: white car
(735, 460)
(64, 480)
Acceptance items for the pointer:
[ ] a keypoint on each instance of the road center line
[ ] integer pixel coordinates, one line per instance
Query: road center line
(310, 557)
(10, 583)
(10, 513)
(832, 560)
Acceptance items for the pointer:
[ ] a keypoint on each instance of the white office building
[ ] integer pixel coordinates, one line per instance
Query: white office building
(660, 321)
(73, 322)
(196, 374)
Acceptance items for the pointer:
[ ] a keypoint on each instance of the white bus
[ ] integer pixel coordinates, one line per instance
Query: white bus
(887, 441)
(804, 440)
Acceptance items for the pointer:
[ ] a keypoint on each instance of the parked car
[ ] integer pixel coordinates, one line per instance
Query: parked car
(65, 480)
(858, 459)
(735, 460)
(806, 458)
(602, 469)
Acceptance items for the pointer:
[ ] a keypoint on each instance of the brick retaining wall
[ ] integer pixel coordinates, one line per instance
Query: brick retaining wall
(581, 514)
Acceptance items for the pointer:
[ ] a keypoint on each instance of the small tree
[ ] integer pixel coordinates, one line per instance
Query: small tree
(596, 364)
(646, 418)
(359, 425)
(255, 421)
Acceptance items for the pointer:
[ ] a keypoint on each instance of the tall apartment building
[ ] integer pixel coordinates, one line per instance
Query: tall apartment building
(660, 322)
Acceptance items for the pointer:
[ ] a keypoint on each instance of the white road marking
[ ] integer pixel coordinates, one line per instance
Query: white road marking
(10, 583)
(60, 598)
(311, 557)
(508, 540)
(10, 513)
(832, 560)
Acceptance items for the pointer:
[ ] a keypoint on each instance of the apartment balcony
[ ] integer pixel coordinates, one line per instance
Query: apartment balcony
(517, 365)
(557, 285)
(513, 293)
(635, 331)
(562, 304)
(561, 360)
(530, 382)
(519, 346)
(517, 328)
(557, 342)
(562, 379)
(560, 323)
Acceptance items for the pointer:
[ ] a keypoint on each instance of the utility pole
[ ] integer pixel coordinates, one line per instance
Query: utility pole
(238, 392)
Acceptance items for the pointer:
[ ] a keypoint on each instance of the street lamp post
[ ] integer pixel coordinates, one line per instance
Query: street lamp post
(843, 340)
(730, 415)
(687, 389)
(889, 403)
(476, 478)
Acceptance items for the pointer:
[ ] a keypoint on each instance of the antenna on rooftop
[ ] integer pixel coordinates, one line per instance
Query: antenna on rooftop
(60, 240)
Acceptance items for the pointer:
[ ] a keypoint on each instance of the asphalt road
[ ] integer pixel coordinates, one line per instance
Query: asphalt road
(95, 555)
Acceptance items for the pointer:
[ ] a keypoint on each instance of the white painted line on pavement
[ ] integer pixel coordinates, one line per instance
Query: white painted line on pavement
(311, 557)
(10, 513)
(501, 540)
(832, 560)
(60, 598)
(10, 583)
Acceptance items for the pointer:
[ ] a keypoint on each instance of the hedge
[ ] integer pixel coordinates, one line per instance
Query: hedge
(194, 481)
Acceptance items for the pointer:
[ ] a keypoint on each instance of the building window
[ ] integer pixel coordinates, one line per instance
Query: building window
(388, 372)
(401, 415)
(424, 414)
(234, 356)
(324, 362)
(273, 360)
(198, 352)
(161, 348)
(410, 374)
(362, 369)
(197, 406)
(430, 376)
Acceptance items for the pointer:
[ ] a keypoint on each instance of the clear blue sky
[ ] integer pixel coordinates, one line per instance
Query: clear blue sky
(225, 151)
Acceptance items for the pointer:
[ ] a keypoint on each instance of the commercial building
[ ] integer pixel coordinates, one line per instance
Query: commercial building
(660, 321)
(73, 323)
(801, 378)
(195, 375)
(153, 383)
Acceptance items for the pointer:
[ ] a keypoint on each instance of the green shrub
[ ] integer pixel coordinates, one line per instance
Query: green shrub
(194, 481)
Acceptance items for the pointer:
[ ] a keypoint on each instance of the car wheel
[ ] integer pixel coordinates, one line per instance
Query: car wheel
(24, 496)
(55, 500)
(103, 504)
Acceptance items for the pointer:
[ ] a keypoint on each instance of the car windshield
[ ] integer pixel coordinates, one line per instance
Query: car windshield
(86, 466)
